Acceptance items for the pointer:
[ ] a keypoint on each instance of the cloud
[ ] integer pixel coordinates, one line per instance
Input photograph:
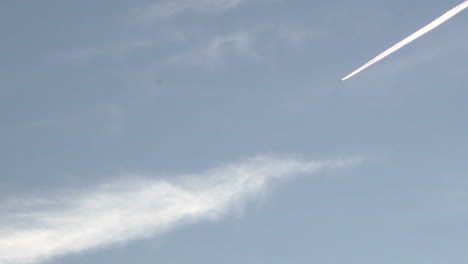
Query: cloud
(247, 43)
(169, 8)
(294, 35)
(121, 211)
(238, 44)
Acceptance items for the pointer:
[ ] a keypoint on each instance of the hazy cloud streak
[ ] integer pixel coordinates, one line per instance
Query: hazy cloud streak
(250, 43)
(122, 211)
(169, 8)
(214, 50)
(412, 37)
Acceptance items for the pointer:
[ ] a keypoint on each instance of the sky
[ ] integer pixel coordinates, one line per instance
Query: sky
(215, 131)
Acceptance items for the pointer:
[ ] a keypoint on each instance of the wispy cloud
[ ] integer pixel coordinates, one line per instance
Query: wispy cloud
(248, 43)
(169, 8)
(294, 35)
(237, 44)
(122, 211)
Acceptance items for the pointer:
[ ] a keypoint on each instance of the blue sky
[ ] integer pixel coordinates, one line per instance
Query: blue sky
(215, 131)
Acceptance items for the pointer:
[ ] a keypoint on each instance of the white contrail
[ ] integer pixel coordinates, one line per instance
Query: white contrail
(412, 37)
(122, 211)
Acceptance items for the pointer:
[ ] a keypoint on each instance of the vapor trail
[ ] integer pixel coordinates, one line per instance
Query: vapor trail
(412, 37)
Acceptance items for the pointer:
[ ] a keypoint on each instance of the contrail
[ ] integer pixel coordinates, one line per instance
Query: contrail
(417, 34)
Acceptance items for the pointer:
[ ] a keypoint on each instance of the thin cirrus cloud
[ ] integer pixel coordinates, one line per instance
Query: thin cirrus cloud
(250, 43)
(240, 43)
(214, 50)
(122, 211)
(170, 8)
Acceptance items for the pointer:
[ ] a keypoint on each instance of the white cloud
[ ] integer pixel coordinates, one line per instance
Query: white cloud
(169, 8)
(248, 44)
(293, 34)
(123, 211)
(239, 43)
